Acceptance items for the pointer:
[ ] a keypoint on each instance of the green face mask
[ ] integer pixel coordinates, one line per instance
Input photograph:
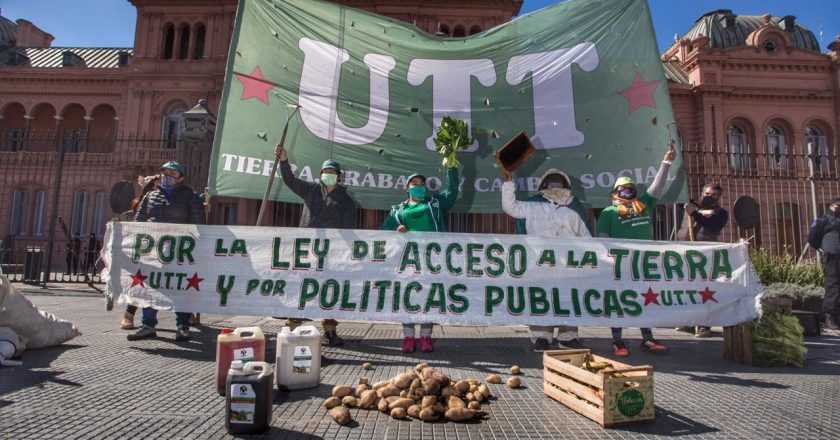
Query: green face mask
(329, 179)
(418, 192)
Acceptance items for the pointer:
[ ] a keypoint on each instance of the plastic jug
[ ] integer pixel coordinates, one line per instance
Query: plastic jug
(245, 344)
(298, 358)
(250, 392)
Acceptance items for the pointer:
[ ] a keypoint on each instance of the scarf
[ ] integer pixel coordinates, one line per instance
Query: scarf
(628, 207)
(557, 196)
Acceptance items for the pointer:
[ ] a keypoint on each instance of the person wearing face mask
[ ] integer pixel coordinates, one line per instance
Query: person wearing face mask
(824, 236)
(326, 204)
(170, 202)
(422, 212)
(629, 217)
(554, 213)
(708, 219)
(148, 184)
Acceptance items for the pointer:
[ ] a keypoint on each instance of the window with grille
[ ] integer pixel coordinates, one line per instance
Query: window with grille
(171, 131)
(776, 148)
(78, 221)
(73, 140)
(99, 215)
(20, 207)
(38, 218)
(739, 151)
(817, 148)
(13, 139)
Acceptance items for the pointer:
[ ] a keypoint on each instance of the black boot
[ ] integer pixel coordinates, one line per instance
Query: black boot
(830, 323)
(332, 339)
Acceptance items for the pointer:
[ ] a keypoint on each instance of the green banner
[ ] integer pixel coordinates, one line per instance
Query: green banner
(582, 78)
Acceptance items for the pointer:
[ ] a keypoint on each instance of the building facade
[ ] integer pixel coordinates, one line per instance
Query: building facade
(759, 108)
(750, 93)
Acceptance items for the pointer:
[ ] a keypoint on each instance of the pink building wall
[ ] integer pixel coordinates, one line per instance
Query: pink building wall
(121, 108)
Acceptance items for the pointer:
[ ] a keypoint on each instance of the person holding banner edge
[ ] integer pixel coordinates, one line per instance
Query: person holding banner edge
(554, 213)
(422, 212)
(326, 204)
(629, 217)
(170, 202)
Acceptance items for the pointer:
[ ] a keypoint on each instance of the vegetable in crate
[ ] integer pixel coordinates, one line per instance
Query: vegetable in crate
(777, 339)
(453, 135)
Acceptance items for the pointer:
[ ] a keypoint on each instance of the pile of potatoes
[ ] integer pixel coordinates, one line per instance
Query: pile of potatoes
(423, 393)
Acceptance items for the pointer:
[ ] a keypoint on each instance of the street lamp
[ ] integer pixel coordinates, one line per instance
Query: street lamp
(199, 122)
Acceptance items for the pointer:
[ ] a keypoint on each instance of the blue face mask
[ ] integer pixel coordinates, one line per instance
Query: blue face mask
(418, 192)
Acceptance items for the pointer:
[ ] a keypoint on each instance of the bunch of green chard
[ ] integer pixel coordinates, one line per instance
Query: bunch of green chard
(453, 135)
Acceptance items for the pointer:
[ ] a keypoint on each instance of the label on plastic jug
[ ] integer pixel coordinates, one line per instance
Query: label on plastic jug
(302, 363)
(243, 354)
(243, 401)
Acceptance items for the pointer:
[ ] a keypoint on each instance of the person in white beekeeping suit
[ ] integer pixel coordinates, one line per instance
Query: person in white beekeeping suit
(553, 213)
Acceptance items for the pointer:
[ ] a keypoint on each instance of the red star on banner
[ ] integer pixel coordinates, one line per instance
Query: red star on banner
(255, 86)
(138, 278)
(193, 282)
(640, 93)
(651, 297)
(708, 295)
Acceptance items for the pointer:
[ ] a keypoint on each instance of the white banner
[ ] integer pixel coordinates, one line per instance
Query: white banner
(443, 278)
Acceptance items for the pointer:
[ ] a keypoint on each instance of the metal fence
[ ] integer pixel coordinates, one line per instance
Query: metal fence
(791, 189)
(73, 173)
(791, 185)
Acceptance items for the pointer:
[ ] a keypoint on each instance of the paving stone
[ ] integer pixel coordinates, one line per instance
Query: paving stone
(102, 386)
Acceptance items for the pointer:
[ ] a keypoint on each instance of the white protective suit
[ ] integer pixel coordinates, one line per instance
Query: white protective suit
(552, 219)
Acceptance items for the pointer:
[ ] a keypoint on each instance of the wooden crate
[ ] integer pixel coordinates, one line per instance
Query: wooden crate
(737, 339)
(601, 396)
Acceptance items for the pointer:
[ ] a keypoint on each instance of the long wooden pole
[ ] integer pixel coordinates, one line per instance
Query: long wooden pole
(274, 168)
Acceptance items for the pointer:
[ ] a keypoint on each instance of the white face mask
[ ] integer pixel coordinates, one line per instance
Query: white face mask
(329, 179)
(559, 196)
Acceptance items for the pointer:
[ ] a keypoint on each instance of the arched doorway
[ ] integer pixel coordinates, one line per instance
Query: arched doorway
(102, 130)
(72, 128)
(42, 128)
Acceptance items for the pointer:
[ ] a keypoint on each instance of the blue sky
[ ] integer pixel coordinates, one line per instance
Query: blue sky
(110, 23)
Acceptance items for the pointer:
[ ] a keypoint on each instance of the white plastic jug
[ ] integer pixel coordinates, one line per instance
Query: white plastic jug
(298, 358)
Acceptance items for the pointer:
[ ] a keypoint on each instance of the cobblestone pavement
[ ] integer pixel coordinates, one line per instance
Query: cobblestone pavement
(101, 386)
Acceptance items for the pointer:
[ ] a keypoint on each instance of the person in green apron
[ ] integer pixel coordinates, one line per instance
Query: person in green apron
(422, 212)
(629, 217)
